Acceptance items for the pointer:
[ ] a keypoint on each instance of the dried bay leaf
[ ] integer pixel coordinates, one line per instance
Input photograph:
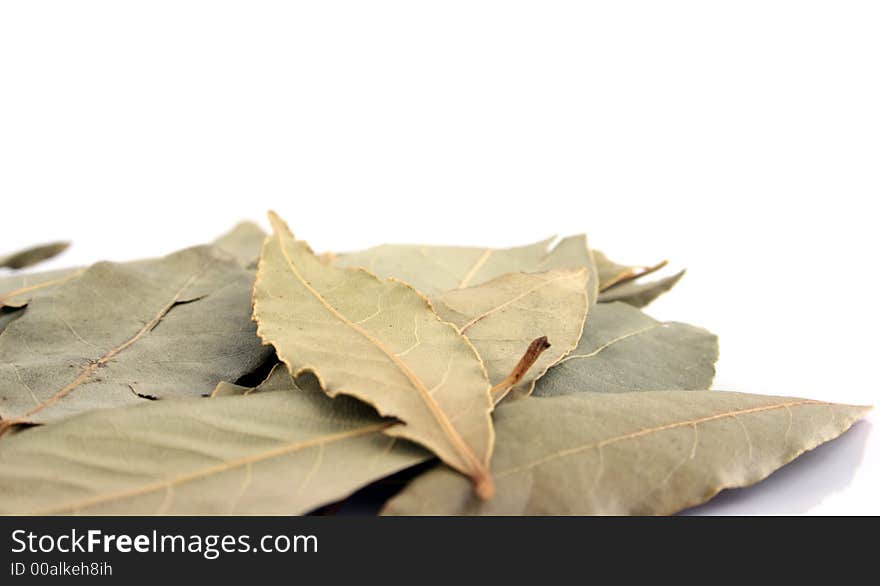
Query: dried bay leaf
(380, 341)
(612, 274)
(120, 333)
(228, 389)
(17, 290)
(643, 453)
(278, 379)
(32, 256)
(639, 293)
(501, 316)
(436, 269)
(623, 349)
(280, 452)
(244, 242)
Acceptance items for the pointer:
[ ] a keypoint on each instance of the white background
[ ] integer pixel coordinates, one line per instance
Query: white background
(738, 139)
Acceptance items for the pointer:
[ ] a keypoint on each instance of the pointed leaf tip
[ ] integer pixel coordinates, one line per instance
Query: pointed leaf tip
(388, 348)
(279, 226)
(640, 453)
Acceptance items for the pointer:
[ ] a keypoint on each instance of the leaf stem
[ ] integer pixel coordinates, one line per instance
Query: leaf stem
(631, 274)
(535, 349)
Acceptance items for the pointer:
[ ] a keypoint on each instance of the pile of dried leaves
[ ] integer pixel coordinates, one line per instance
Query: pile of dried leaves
(253, 376)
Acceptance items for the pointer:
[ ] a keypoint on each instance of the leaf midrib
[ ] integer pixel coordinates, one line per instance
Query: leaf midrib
(12, 294)
(576, 274)
(660, 428)
(614, 341)
(465, 281)
(200, 473)
(445, 424)
(93, 365)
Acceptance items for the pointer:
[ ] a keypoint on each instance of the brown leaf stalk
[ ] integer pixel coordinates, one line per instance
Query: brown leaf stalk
(535, 349)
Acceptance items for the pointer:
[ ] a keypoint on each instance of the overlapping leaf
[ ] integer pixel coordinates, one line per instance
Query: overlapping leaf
(244, 242)
(17, 290)
(437, 269)
(645, 453)
(380, 341)
(278, 379)
(612, 274)
(118, 334)
(623, 349)
(501, 317)
(640, 293)
(280, 452)
(618, 282)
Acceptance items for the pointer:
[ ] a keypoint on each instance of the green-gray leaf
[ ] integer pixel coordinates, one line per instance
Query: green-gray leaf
(281, 452)
(639, 293)
(278, 379)
(623, 349)
(120, 333)
(32, 256)
(380, 341)
(437, 269)
(502, 316)
(17, 290)
(612, 274)
(243, 242)
(651, 453)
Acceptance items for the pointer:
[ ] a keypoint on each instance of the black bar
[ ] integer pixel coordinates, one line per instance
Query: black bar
(376, 549)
